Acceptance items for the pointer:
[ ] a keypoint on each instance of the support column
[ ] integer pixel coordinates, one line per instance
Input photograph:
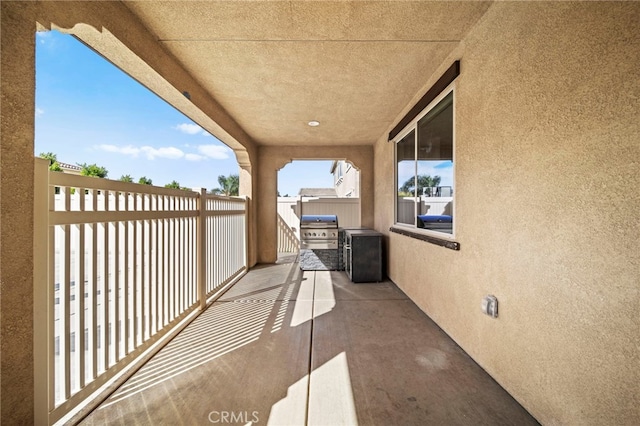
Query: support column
(248, 189)
(267, 212)
(17, 109)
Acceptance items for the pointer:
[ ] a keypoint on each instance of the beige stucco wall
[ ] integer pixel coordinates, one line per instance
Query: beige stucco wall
(547, 123)
(272, 159)
(16, 218)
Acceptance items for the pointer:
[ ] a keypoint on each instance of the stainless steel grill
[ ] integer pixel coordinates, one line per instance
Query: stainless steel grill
(319, 232)
(319, 243)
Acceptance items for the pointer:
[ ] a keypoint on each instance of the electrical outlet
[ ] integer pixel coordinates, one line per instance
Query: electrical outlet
(490, 306)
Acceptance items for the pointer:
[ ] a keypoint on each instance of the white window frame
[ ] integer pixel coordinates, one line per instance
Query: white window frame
(413, 125)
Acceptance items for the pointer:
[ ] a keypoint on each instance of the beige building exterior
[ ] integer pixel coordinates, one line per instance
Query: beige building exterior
(545, 110)
(346, 179)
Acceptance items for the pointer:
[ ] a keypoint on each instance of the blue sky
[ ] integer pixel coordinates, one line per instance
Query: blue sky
(88, 111)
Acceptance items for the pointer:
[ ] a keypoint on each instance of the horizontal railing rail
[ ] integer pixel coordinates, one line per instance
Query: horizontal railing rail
(118, 266)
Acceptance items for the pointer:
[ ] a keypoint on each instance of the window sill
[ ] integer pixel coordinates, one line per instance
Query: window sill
(453, 245)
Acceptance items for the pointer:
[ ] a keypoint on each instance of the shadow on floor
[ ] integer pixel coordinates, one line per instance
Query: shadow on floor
(291, 347)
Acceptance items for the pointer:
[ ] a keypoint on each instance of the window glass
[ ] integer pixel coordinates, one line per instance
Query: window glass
(425, 171)
(405, 179)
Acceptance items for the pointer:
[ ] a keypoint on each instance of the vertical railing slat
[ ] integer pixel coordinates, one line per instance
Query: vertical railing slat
(115, 326)
(106, 281)
(52, 319)
(160, 266)
(180, 269)
(165, 273)
(155, 280)
(65, 338)
(133, 311)
(159, 270)
(176, 243)
(144, 302)
(94, 299)
(201, 239)
(173, 263)
(80, 291)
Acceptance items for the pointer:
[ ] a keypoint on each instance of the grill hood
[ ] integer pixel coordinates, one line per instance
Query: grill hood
(319, 221)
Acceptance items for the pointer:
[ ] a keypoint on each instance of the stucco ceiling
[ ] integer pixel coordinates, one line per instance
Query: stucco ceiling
(274, 66)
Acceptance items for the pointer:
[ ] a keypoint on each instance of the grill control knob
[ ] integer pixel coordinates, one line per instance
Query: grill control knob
(324, 235)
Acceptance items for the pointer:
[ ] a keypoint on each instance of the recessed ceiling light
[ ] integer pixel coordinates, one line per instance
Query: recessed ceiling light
(314, 123)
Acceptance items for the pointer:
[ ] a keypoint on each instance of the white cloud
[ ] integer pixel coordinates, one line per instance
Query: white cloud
(190, 129)
(39, 112)
(217, 152)
(43, 35)
(206, 152)
(194, 157)
(169, 152)
(150, 152)
(127, 150)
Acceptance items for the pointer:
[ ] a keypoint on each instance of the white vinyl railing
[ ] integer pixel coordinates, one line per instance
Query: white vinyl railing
(118, 266)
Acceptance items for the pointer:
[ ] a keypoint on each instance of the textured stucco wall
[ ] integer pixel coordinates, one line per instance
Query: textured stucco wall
(272, 159)
(547, 124)
(16, 217)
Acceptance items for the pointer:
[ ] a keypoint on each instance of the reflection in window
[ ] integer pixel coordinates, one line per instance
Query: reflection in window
(405, 181)
(424, 171)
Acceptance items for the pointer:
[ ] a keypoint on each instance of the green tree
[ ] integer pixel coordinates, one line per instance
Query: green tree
(144, 181)
(54, 166)
(424, 181)
(174, 184)
(93, 170)
(126, 178)
(229, 185)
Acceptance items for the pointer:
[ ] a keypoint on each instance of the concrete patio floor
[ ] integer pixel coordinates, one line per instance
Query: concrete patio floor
(291, 347)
